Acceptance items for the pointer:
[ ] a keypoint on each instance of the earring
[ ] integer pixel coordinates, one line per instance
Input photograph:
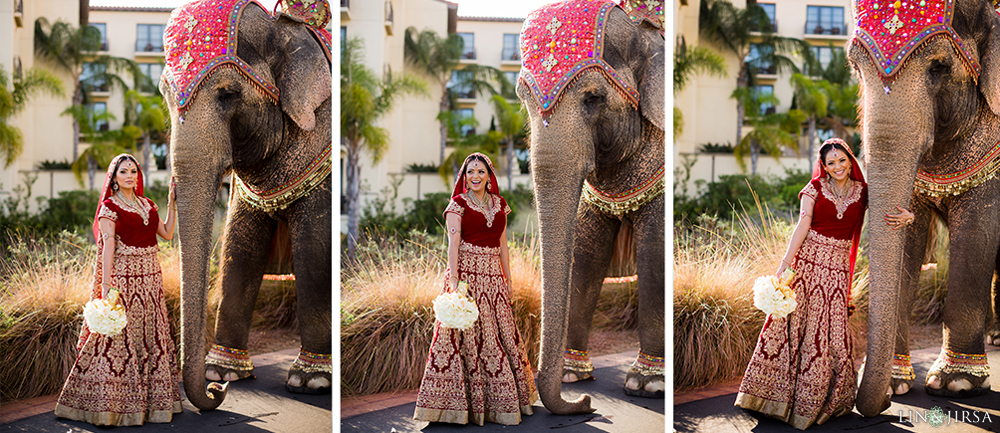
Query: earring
(487, 186)
(114, 186)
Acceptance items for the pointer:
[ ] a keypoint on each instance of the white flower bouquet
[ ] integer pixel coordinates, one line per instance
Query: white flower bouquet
(105, 316)
(456, 310)
(774, 295)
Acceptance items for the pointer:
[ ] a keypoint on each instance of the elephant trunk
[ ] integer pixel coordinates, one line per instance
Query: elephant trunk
(893, 159)
(558, 195)
(195, 213)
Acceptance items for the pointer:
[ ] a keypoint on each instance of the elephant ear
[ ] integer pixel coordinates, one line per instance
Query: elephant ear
(304, 80)
(989, 77)
(643, 54)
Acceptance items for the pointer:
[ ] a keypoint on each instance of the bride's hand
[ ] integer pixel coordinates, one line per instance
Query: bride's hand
(901, 219)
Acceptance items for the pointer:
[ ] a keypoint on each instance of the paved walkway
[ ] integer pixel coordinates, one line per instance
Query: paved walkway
(616, 412)
(711, 409)
(253, 405)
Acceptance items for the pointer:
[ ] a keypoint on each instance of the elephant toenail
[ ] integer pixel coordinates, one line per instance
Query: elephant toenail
(569, 378)
(902, 389)
(295, 381)
(656, 386)
(632, 383)
(318, 382)
(212, 375)
(934, 382)
(231, 376)
(960, 385)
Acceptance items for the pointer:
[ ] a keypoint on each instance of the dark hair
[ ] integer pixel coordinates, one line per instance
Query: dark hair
(114, 173)
(481, 159)
(830, 145)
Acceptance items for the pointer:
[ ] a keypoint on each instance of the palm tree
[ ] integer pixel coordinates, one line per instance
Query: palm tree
(771, 131)
(438, 57)
(748, 34)
(364, 99)
(13, 99)
(72, 49)
(511, 122)
(146, 113)
(104, 145)
(487, 144)
(689, 62)
(812, 100)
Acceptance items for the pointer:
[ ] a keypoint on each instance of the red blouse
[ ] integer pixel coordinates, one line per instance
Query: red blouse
(132, 227)
(835, 217)
(480, 227)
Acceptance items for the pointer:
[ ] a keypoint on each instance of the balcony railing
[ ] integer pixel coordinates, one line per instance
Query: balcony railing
(148, 48)
(765, 70)
(771, 27)
(464, 94)
(511, 55)
(819, 29)
(104, 46)
(469, 54)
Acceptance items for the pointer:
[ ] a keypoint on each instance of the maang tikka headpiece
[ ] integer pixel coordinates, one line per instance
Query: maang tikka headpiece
(561, 40)
(891, 30)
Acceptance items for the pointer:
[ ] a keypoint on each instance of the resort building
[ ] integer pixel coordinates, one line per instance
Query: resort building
(414, 131)
(710, 115)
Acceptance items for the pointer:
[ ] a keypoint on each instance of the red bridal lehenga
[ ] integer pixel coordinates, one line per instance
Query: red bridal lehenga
(802, 370)
(132, 377)
(482, 373)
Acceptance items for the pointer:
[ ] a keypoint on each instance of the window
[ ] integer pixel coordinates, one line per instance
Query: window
(461, 85)
(510, 49)
(824, 20)
(92, 77)
(343, 39)
(759, 59)
(149, 38)
(153, 71)
(769, 9)
(761, 91)
(825, 55)
(469, 48)
(103, 28)
(97, 114)
(462, 114)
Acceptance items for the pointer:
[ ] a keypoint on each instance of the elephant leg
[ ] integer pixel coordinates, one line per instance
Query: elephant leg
(645, 378)
(915, 244)
(961, 369)
(244, 255)
(595, 239)
(993, 333)
(309, 225)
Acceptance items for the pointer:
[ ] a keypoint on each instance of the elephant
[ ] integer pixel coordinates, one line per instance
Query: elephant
(260, 110)
(596, 133)
(929, 114)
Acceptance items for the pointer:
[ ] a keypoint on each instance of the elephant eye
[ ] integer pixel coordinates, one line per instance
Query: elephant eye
(227, 93)
(939, 68)
(592, 99)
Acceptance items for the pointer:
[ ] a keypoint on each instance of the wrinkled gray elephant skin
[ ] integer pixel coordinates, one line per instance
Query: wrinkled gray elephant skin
(232, 127)
(935, 119)
(595, 134)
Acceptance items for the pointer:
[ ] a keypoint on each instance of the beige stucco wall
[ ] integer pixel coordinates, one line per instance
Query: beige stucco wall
(710, 115)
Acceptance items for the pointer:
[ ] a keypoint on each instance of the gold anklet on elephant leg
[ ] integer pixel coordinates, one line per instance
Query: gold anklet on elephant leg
(309, 362)
(902, 369)
(578, 361)
(228, 357)
(647, 365)
(971, 364)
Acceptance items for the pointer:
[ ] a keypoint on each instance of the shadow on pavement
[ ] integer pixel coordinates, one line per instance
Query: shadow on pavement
(616, 412)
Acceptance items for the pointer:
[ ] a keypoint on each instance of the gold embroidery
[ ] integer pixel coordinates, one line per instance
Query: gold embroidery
(106, 212)
(142, 210)
(455, 208)
(809, 190)
(489, 212)
(842, 204)
(128, 250)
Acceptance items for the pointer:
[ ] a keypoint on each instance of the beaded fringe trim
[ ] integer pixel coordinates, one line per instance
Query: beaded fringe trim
(902, 369)
(943, 185)
(627, 201)
(647, 365)
(971, 364)
(576, 360)
(227, 357)
(284, 195)
(309, 362)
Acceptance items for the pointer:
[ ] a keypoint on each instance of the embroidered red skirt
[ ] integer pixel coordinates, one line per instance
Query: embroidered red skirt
(132, 377)
(802, 371)
(482, 373)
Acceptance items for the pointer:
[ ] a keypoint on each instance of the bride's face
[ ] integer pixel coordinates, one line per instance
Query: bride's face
(476, 177)
(127, 175)
(837, 165)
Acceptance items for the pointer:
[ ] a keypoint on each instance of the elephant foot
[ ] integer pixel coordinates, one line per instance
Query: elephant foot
(227, 364)
(311, 373)
(902, 374)
(993, 335)
(577, 366)
(645, 378)
(959, 375)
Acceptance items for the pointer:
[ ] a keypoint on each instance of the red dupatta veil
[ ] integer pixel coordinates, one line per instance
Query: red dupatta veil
(857, 175)
(107, 192)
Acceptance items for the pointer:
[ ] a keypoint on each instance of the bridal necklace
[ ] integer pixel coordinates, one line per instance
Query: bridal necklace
(840, 193)
(135, 206)
(484, 206)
